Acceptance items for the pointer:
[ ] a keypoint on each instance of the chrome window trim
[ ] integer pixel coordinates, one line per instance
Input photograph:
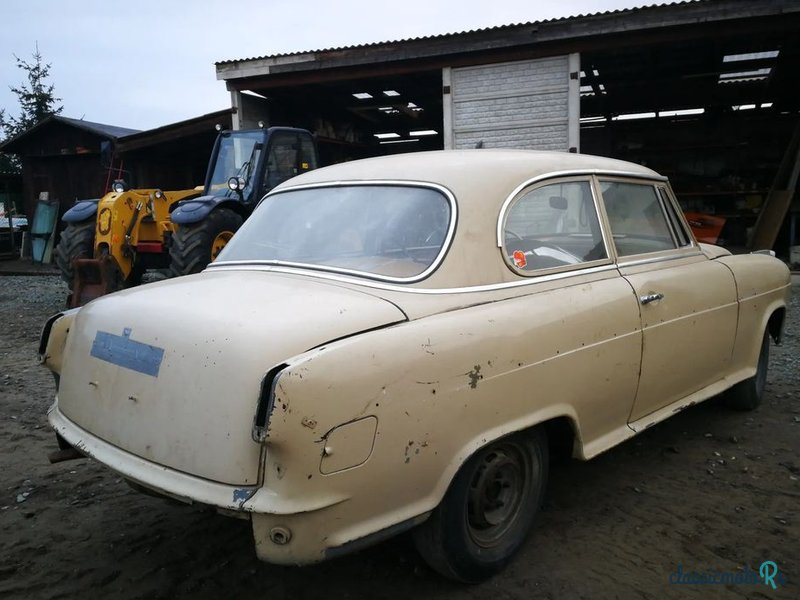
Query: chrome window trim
(581, 265)
(561, 174)
(664, 182)
(664, 213)
(654, 259)
(373, 284)
(451, 199)
(669, 198)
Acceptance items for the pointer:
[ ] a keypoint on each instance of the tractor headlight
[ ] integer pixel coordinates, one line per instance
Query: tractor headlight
(119, 186)
(236, 184)
(158, 194)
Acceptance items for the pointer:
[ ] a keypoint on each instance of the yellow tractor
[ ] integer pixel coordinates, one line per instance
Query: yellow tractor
(108, 243)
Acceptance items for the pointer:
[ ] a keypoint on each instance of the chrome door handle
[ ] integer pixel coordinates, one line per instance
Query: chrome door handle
(648, 298)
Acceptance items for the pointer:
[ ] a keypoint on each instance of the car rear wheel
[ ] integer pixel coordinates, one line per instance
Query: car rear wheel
(488, 509)
(747, 394)
(194, 246)
(77, 241)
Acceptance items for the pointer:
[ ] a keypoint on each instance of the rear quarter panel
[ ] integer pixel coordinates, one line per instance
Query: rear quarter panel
(442, 386)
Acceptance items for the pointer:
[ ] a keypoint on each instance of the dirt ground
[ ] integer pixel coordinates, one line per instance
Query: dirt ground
(708, 489)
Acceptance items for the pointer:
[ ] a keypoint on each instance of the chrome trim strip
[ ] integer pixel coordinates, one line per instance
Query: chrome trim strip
(272, 268)
(680, 216)
(662, 205)
(559, 174)
(576, 266)
(376, 182)
(655, 259)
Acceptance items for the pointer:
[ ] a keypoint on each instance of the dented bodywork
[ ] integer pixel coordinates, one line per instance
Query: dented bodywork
(333, 402)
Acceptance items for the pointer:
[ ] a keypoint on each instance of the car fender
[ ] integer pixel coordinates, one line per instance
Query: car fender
(53, 339)
(81, 211)
(763, 286)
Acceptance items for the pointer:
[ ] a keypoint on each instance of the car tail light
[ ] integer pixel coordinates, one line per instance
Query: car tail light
(266, 402)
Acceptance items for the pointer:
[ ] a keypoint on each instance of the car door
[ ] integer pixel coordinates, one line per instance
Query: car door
(582, 336)
(687, 302)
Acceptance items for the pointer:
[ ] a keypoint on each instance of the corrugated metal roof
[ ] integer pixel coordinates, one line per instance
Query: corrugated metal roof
(459, 33)
(100, 129)
(112, 131)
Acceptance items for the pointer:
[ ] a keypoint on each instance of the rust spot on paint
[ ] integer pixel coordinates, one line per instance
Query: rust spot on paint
(306, 422)
(474, 376)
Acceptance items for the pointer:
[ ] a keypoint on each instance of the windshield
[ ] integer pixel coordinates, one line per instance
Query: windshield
(238, 157)
(389, 231)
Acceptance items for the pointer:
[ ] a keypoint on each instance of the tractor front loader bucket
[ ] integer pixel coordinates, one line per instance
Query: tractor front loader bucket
(94, 277)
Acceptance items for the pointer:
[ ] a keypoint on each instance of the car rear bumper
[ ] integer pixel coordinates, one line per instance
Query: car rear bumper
(177, 484)
(312, 528)
(161, 479)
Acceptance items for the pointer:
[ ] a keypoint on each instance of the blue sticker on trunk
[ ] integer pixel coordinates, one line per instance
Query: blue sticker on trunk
(124, 352)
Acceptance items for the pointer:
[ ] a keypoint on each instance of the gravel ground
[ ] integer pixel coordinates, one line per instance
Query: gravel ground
(707, 489)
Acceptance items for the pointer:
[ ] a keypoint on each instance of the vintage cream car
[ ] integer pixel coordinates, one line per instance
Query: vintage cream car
(401, 343)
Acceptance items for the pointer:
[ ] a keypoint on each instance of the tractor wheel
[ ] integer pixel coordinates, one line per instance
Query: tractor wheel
(77, 241)
(195, 245)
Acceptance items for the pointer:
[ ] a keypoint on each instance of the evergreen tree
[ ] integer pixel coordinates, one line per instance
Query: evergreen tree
(36, 101)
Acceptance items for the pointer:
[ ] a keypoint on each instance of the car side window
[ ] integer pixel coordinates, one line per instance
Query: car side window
(678, 228)
(636, 217)
(553, 226)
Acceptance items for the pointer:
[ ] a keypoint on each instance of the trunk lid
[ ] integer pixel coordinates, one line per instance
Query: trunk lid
(171, 372)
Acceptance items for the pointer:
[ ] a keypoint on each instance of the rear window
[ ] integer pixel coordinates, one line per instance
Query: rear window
(395, 232)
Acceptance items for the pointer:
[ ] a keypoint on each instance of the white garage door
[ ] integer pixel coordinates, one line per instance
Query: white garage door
(525, 104)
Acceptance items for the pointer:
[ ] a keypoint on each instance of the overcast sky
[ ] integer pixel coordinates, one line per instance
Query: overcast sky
(147, 63)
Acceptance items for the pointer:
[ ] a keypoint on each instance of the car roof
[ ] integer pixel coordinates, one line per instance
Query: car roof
(452, 167)
(481, 181)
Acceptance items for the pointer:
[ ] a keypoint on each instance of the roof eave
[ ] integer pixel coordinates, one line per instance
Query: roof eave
(658, 17)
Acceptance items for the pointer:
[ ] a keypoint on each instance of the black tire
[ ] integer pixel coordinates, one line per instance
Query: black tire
(747, 394)
(135, 276)
(194, 246)
(488, 510)
(77, 241)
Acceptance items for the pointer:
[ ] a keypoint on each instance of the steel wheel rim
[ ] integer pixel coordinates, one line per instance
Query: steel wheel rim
(219, 243)
(498, 490)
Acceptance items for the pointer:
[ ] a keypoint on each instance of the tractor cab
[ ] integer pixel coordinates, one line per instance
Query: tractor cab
(244, 166)
(247, 164)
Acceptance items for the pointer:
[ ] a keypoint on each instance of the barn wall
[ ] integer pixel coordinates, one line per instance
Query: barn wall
(521, 104)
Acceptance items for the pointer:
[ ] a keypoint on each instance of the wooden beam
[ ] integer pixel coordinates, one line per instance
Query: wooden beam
(779, 199)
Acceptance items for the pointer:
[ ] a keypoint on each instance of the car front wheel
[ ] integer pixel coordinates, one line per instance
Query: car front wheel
(488, 509)
(747, 394)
